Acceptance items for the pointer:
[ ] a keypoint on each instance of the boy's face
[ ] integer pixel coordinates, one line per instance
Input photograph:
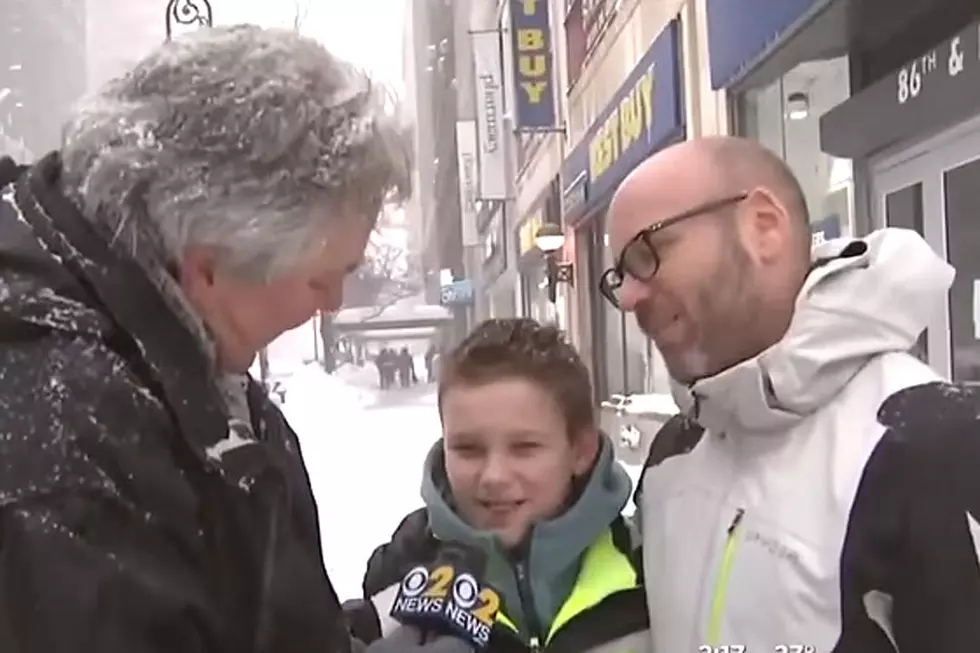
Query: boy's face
(509, 457)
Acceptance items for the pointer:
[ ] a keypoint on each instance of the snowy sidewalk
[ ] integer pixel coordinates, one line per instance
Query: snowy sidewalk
(364, 454)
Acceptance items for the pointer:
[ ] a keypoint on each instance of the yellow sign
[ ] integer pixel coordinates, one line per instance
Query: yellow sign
(628, 123)
(527, 232)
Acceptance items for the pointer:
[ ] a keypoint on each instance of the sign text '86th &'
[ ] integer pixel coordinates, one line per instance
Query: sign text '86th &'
(949, 59)
(629, 122)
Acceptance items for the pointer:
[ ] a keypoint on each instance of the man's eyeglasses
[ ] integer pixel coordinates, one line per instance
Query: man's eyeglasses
(639, 258)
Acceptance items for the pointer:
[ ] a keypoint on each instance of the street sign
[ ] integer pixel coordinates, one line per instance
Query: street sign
(457, 293)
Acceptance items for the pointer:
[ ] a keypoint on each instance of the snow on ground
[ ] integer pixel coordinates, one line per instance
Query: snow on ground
(363, 450)
(309, 390)
(365, 376)
(365, 465)
(634, 472)
(293, 349)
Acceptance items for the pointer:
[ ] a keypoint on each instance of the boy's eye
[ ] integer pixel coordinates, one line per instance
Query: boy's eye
(465, 449)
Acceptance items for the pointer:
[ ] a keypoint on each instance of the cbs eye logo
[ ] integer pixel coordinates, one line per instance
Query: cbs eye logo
(463, 589)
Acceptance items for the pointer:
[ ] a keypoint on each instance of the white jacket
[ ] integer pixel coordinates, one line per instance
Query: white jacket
(743, 535)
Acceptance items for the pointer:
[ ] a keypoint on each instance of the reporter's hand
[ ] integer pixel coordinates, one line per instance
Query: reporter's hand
(409, 639)
(362, 620)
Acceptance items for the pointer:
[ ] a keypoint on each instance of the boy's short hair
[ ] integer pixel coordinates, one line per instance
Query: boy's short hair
(523, 348)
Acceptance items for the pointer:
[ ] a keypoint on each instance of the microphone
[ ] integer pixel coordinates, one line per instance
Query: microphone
(446, 595)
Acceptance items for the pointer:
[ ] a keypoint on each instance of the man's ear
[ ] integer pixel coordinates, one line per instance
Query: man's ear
(585, 445)
(198, 268)
(767, 228)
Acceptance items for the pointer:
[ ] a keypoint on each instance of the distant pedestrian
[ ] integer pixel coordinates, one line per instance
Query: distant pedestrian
(430, 355)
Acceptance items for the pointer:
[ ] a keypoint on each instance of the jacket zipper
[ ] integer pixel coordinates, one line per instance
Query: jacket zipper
(527, 605)
(720, 592)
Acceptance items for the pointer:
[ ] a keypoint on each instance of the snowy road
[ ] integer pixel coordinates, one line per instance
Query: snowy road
(364, 454)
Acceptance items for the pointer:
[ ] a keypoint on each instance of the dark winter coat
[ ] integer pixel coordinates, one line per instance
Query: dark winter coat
(127, 523)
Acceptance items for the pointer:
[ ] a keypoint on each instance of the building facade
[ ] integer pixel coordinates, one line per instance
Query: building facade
(534, 45)
(538, 285)
(414, 208)
(635, 83)
(876, 107)
(591, 88)
(644, 114)
(42, 72)
(496, 255)
(431, 54)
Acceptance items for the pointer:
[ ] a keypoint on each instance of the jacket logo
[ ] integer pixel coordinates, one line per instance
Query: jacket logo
(773, 546)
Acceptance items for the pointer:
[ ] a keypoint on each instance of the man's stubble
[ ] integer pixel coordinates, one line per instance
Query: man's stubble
(730, 306)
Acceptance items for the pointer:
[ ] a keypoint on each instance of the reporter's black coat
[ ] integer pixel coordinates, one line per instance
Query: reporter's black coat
(123, 526)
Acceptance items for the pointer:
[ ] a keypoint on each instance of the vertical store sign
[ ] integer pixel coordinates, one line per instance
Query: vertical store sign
(489, 115)
(466, 149)
(504, 23)
(534, 87)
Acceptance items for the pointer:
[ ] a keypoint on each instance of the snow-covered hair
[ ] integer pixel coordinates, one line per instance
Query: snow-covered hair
(237, 138)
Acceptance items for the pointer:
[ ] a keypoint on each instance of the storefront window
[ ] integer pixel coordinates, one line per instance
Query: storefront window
(502, 303)
(637, 355)
(612, 320)
(962, 186)
(534, 295)
(624, 360)
(785, 117)
(658, 380)
(597, 315)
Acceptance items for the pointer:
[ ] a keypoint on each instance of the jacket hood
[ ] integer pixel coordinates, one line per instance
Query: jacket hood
(37, 290)
(554, 547)
(863, 298)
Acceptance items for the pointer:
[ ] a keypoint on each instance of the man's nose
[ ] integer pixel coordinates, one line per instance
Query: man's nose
(632, 292)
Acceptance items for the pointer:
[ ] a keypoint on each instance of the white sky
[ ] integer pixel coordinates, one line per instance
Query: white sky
(368, 32)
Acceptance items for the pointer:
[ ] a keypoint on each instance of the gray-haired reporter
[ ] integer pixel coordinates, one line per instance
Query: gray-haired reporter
(152, 499)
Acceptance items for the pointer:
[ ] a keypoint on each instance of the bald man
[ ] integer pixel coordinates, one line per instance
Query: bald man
(822, 491)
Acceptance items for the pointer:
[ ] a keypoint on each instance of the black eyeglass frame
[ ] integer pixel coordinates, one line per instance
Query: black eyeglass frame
(608, 284)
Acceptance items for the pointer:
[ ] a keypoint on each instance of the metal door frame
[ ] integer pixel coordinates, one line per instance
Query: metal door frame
(909, 172)
(925, 162)
(962, 150)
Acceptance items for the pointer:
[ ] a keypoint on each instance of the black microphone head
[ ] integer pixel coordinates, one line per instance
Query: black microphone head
(447, 595)
(470, 558)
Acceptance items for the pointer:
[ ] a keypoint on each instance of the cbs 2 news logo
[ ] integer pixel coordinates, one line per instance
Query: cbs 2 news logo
(458, 597)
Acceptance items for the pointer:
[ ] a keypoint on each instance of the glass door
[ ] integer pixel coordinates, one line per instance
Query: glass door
(961, 201)
(908, 195)
(934, 187)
